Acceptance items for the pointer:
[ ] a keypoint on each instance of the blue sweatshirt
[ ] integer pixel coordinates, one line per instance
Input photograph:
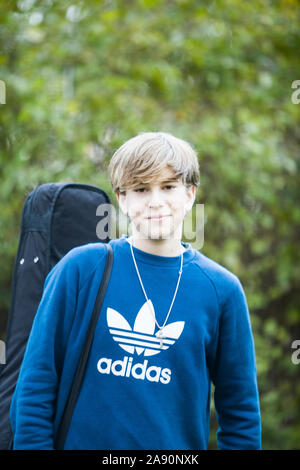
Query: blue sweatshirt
(139, 393)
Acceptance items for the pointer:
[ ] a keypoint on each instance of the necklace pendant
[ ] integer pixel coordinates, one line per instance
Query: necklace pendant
(160, 335)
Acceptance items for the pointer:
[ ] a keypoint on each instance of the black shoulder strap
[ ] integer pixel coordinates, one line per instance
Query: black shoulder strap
(79, 374)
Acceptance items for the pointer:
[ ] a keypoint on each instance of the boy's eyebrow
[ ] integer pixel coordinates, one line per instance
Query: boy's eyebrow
(171, 180)
(174, 180)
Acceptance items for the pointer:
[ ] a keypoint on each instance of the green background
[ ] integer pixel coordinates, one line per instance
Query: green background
(83, 77)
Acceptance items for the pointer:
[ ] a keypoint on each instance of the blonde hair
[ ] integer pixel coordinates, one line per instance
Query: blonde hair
(142, 158)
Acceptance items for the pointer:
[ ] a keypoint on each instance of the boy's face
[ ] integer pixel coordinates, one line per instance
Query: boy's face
(157, 210)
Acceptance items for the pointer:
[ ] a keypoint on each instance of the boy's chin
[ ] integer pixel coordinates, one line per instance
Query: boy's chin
(152, 232)
(155, 235)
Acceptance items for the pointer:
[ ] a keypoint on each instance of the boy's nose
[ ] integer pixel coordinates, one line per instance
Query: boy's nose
(155, 198)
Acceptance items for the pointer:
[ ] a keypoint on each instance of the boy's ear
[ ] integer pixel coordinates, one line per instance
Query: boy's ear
(191, 194)
(121, 202)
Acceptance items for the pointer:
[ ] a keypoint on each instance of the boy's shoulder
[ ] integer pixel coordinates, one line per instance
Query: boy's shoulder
(81, 264)
(87, 253)
(81, 261)
(221, 278)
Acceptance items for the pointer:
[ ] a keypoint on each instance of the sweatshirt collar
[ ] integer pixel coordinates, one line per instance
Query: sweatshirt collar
(163, 261)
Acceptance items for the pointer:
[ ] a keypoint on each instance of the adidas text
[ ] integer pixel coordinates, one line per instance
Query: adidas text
(125, 368)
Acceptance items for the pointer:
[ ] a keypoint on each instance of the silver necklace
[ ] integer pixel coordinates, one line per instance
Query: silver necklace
(160, 333)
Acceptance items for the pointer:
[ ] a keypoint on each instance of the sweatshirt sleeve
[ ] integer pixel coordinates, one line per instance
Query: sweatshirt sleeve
(236, 392)
(33, 404)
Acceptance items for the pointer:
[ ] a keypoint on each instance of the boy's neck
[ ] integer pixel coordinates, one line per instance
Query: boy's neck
(171, 247)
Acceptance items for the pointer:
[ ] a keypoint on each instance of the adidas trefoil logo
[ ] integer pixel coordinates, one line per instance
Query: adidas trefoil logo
(141, 338)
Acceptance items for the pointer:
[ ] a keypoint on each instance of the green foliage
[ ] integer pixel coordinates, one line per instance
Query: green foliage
(83, 77)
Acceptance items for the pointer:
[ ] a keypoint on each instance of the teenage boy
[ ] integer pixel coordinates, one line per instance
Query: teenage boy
(173, 321)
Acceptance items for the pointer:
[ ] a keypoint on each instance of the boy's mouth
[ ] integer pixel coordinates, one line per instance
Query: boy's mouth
(157, 217)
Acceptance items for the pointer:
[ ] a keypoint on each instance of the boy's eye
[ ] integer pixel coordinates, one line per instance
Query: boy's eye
(139, 190)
